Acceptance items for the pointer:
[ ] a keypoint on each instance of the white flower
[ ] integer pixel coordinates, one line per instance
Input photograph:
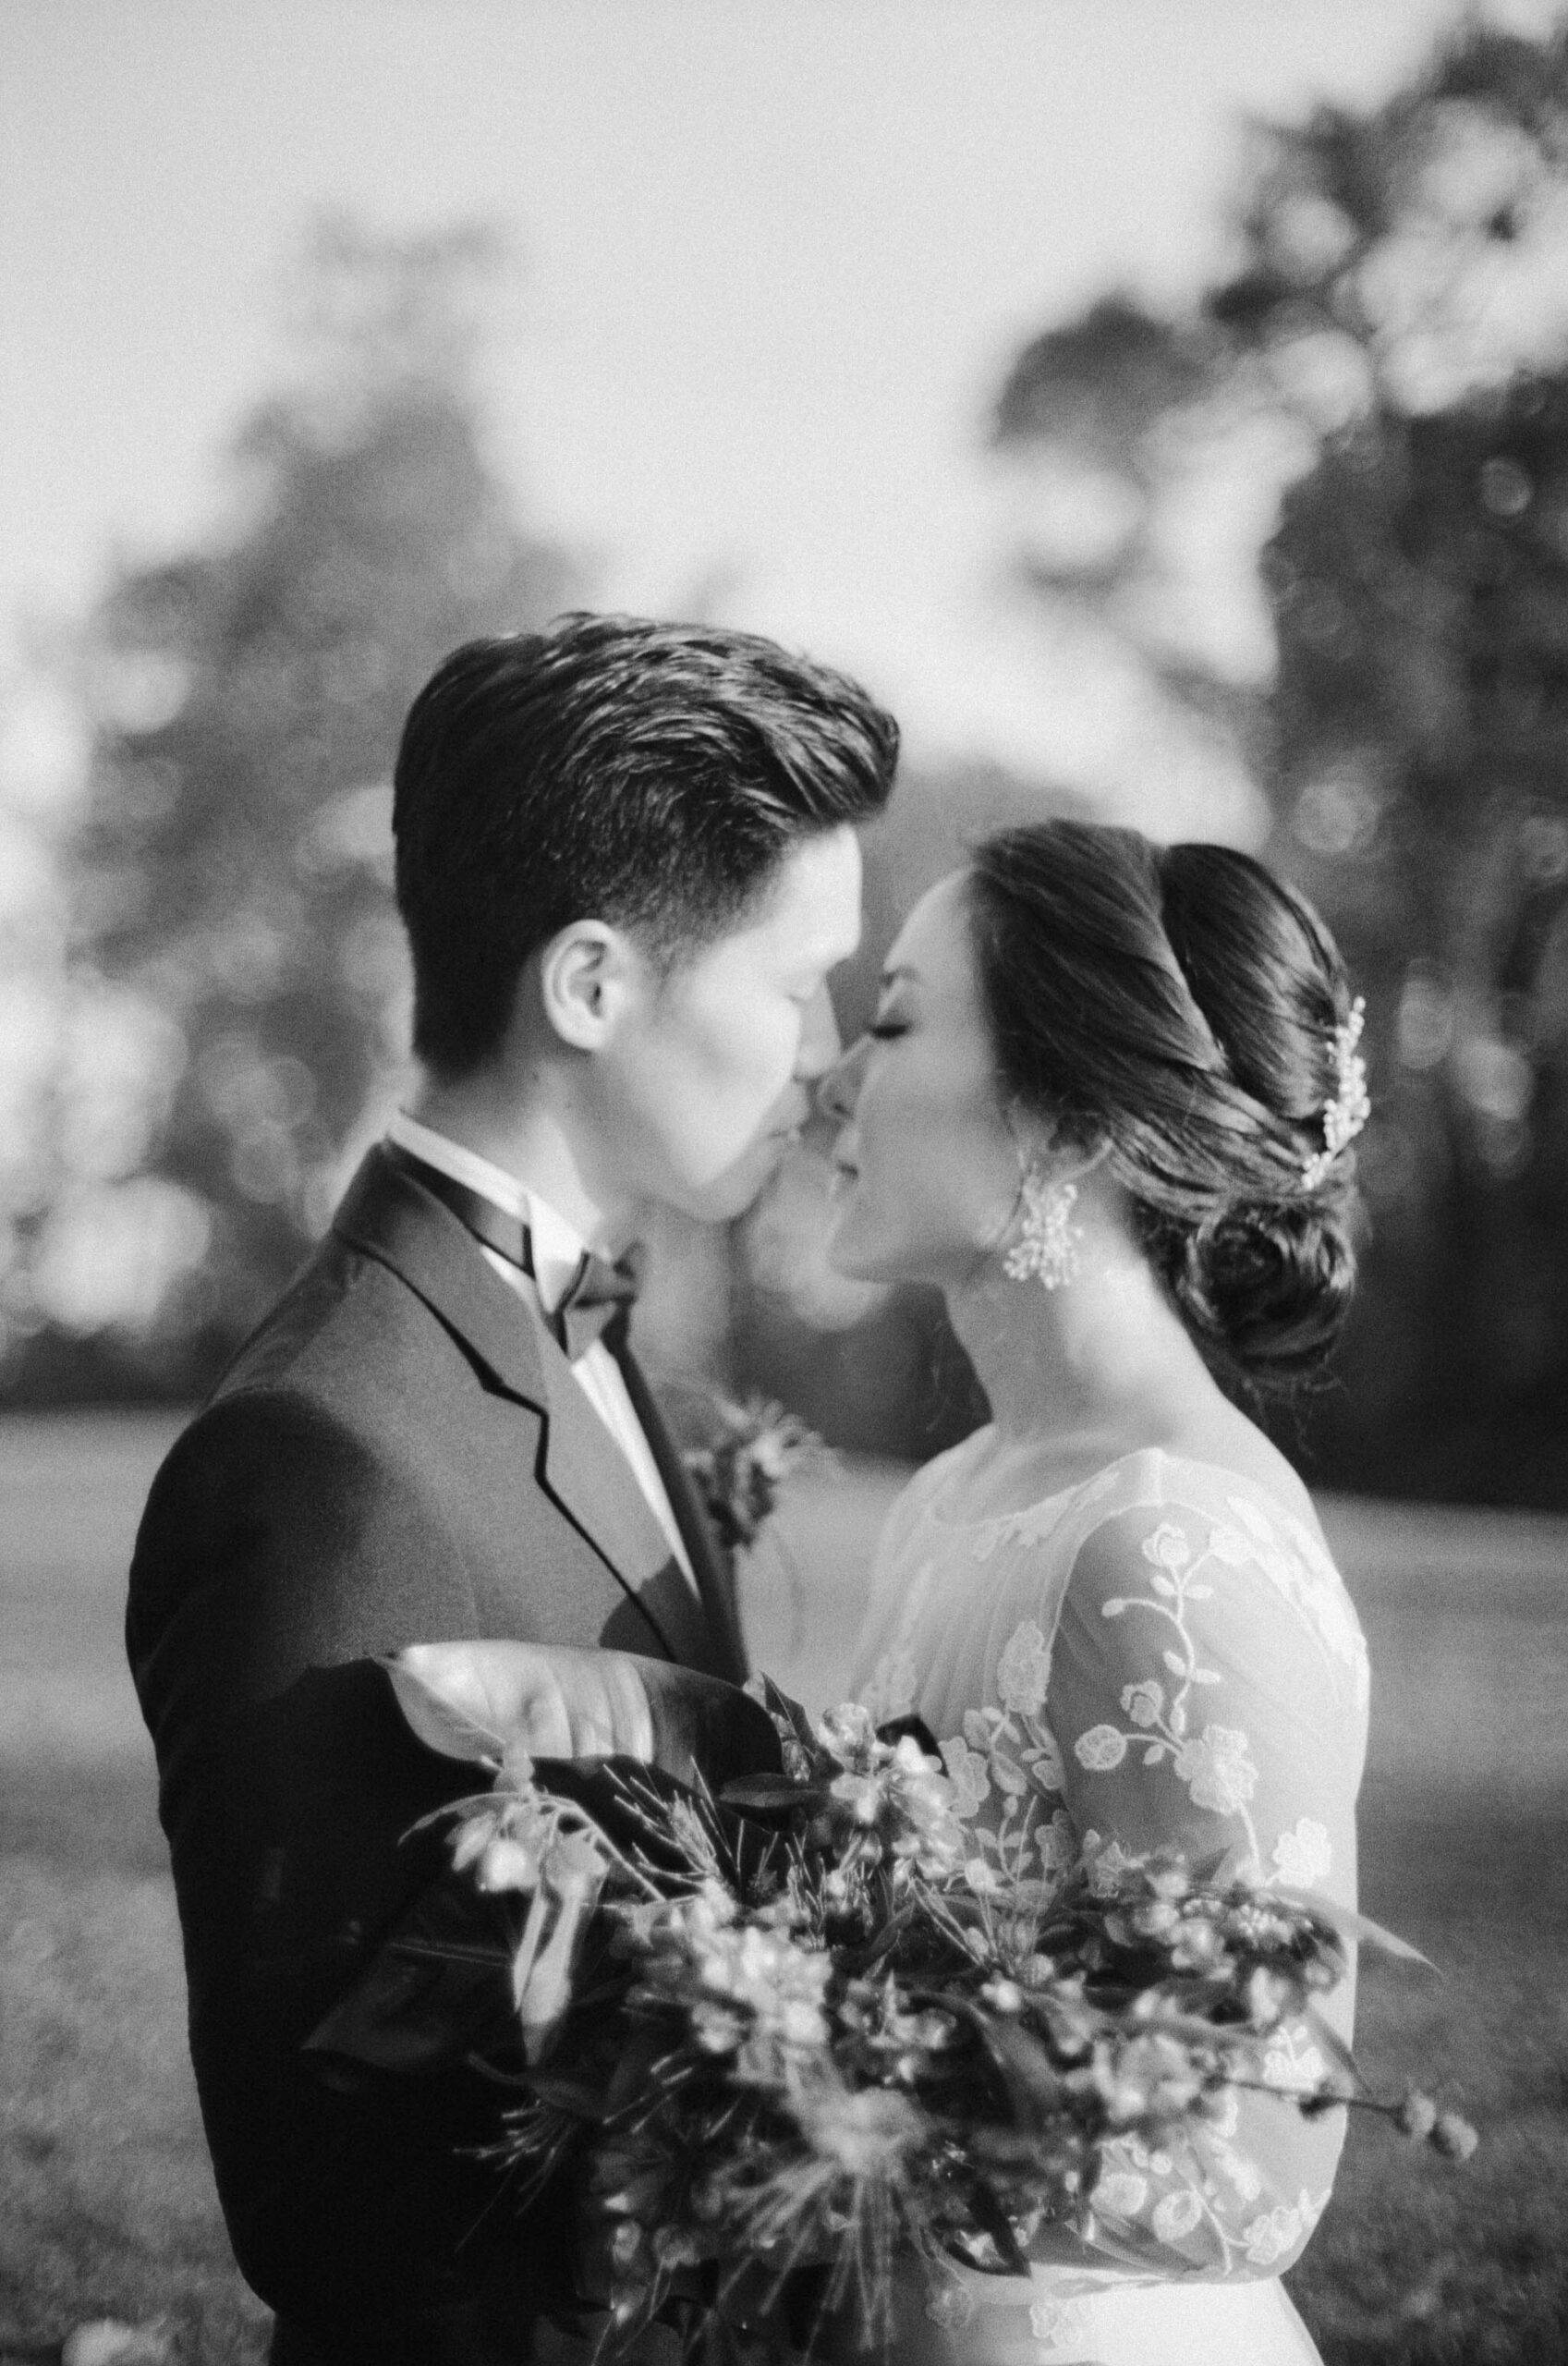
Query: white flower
(1121, 2195)
(1267, 2238)
(1107, 1862)
(1100, 1749)
(1024, 1670)
(1227, 2114)
(1293, 2062)
(1218, 1770)
(1301, 1858)
(1144, 1700)
(1176, 2216)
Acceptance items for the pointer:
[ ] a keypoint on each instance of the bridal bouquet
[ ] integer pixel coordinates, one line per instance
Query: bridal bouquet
(808, 2026)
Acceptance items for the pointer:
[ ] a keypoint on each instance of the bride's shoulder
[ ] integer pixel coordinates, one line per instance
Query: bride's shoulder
(1260, 1491)
(942, 1477)
(1235, 1518)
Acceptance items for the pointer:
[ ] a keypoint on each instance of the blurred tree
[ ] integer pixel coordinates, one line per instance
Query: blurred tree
(1405, 292)
(239, 974)
(1139, 477)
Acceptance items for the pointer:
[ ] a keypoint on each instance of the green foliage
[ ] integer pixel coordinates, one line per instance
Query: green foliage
(235, 861)
(1406, 291)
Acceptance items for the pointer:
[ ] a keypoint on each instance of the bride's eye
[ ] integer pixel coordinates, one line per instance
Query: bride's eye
(884, 1030)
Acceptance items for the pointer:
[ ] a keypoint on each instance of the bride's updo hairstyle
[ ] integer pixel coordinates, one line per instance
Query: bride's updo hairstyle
(1174, 1008)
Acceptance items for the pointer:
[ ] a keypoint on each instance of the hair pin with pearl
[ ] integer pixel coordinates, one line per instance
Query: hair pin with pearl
(1349, 1106)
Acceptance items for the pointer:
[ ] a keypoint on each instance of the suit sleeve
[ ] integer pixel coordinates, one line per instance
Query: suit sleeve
(275, 1556)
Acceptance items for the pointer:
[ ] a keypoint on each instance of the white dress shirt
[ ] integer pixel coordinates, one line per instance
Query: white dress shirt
(557, 1251)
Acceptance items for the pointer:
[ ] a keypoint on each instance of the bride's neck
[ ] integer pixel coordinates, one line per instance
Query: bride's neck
(1102, 1363)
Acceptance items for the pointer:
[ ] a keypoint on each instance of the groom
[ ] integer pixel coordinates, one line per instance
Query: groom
(627, 864)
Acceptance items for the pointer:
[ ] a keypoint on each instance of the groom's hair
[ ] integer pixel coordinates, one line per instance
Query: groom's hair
(652, 775)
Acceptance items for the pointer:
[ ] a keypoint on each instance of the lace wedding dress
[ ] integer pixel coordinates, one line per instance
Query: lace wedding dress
(1160, 1654)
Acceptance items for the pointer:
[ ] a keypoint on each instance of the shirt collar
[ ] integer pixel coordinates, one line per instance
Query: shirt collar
(557, 1249)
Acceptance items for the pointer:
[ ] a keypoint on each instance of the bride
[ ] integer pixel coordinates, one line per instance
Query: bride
(1104, 1107)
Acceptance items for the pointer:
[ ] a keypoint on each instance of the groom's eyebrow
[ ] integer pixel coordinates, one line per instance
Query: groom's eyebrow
(892, 977)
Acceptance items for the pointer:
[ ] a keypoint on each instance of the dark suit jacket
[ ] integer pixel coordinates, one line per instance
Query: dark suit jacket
(400, 1454)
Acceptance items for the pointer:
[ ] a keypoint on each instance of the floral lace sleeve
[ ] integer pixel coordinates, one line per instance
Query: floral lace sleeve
(1202, 1691)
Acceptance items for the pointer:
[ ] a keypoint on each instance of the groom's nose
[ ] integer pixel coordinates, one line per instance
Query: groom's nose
(820, 1042)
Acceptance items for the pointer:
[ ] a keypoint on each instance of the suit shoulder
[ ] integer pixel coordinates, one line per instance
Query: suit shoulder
(338, 1304)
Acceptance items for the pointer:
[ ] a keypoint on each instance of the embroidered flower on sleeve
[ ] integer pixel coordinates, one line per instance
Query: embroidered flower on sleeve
(966, 1773)
(1100, 1749)
(1120, 2194)
(1023, 1671)
(951, 2307)
(1043, 1759)
(1217, 1769)
(1143, 1702)
(1056, 1845)
(1268, 2236)
(891, 1689)
(1058, 2326)
(1176, 2216)
(1301, 1858)
(1167, 1547)
(1228, 1544)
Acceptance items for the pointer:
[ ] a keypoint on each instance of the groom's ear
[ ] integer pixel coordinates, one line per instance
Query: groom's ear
(588, 973)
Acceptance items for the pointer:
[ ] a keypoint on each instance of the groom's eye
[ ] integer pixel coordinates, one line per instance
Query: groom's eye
(884, 1030)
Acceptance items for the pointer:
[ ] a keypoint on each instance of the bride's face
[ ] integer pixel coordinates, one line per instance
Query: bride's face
(928, 1171)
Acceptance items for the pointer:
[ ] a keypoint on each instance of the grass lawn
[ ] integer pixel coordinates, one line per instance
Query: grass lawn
(106, 2200)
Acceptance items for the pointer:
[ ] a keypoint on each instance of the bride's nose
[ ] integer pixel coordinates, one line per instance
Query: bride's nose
(839, 1089)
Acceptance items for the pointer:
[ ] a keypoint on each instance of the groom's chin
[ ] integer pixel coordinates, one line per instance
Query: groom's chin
(737, 1190)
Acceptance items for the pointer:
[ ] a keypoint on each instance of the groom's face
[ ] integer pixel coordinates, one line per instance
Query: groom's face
(707, 1077)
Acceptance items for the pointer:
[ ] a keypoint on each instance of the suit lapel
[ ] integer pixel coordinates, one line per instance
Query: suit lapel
(585, 1472)
(711, 1566)
(388, 1215)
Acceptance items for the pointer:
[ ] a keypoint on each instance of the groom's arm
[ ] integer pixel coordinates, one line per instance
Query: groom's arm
(275, 1553)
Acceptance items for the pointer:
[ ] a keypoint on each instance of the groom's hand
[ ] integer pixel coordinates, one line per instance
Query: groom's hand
(476, 1700)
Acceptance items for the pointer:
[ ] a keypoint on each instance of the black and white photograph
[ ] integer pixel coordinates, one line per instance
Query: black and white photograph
(783, 1183)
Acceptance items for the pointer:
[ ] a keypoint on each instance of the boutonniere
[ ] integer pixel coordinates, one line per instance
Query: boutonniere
(756, 1447)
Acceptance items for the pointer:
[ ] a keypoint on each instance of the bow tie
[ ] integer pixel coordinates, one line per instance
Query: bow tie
(597, 1293)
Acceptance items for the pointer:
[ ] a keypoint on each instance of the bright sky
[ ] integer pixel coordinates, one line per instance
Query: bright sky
(779, 251)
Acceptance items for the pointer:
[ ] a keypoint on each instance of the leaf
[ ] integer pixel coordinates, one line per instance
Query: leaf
(442, 1693)
(1154, 1754)
(789, 1713)
(1175, 1662)
(1349, 1924)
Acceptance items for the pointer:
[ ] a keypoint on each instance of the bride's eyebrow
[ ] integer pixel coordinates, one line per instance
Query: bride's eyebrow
(890, 977)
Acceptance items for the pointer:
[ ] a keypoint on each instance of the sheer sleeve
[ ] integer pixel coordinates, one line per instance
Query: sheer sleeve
(1203, 1694)
(1201, 1686)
